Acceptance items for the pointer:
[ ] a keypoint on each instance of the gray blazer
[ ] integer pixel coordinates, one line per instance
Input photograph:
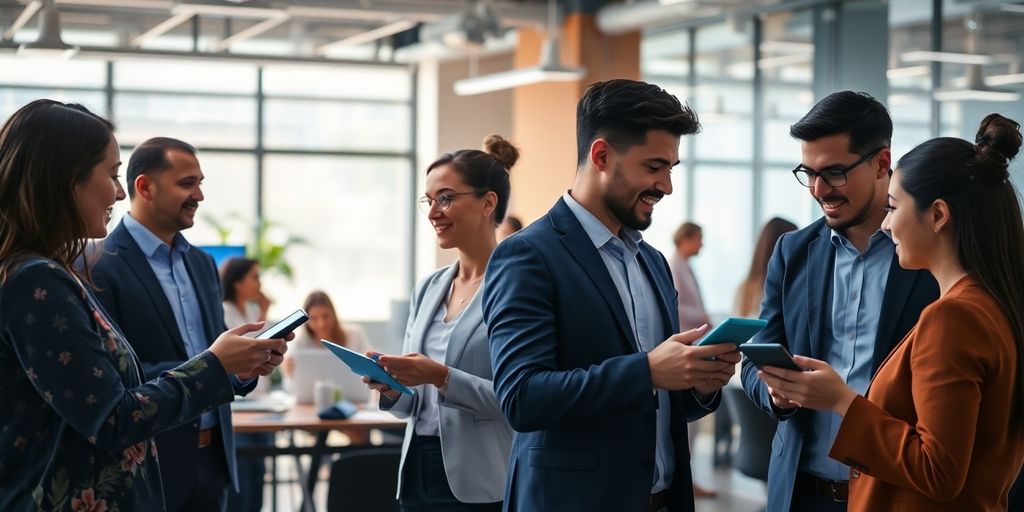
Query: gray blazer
(476, 439)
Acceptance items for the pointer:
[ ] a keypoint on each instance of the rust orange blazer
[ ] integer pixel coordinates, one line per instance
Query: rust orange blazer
(934, 432)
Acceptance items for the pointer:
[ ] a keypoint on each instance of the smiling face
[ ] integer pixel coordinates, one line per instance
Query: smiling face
(171, 197)
(915, 237)
(468, 216)
(634, 181)
(96, 195)
(853, 203)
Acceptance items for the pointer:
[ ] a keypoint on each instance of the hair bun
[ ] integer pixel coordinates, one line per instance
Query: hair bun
(502, 150)
(997, 142)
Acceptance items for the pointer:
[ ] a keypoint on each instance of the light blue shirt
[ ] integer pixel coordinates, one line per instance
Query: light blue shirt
(858, 286)
(168, 264)
(619, 254)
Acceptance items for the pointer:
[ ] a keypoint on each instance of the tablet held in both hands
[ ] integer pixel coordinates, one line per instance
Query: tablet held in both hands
(733, 330)
(365, 366)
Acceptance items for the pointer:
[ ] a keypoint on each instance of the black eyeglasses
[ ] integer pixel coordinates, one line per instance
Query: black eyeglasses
(443, 200)
(835, 176)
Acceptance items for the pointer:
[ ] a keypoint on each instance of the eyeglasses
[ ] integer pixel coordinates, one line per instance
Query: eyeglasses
(835, 176)
(443, 200)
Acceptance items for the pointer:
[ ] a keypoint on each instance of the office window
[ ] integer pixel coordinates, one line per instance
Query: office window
(334, 125)
(221, 122)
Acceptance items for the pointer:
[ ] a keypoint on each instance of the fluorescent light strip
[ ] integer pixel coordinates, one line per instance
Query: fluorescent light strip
(948, 57)
(1010, 79)
(369, 36)
(515, 78)
(23, 18)
(907, 72)
(162, 28)
(228, 10)
(975, 95)
(250, 32)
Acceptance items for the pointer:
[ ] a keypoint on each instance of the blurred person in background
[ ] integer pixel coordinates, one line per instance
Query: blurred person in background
(751, 290)
(510, 225)
(324, 324)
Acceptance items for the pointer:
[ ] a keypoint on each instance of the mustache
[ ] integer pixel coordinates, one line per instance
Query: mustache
(831, 199)
(191, 204)
(657, 194)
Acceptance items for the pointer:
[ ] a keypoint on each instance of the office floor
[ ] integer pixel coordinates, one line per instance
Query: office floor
(736, 493)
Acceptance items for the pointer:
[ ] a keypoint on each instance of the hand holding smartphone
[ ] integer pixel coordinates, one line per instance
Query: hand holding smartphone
(282, 328)
(769, 354)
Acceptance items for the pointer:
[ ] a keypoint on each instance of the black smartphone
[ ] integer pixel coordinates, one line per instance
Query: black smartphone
(769, 354)
(282, 328)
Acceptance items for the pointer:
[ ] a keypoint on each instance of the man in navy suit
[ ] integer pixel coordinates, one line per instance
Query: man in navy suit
(835, 291)
(165, 295)
(581, 312)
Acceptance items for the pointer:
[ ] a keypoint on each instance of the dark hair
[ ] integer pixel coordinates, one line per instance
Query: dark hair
(151, 157)
(46, 148)
(485, 171)
(858, 114)
(514, 222)
(973, 179)
(319, 298)
(685, 231)
(748, 297)
(232, 271)
(623, 111)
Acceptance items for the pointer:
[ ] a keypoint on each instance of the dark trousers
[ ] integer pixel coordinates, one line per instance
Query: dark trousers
(209, 489)
(251, 470)
(808, 498)
(425, 484)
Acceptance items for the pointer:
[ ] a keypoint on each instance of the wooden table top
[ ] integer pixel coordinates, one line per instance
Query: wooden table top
(302, 417)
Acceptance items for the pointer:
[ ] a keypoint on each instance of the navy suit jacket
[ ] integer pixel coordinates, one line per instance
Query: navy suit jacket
(569, 378)
(128, 289)
(798, 307)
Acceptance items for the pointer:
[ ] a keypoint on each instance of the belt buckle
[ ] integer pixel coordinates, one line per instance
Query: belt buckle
(840, 492)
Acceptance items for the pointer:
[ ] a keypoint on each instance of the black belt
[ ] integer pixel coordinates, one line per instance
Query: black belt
(836, 490)
(658, 501)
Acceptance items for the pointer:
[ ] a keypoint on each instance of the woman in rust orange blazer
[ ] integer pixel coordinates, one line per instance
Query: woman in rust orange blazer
(941, 426)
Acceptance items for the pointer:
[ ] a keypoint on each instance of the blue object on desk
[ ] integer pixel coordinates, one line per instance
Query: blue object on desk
(340, 410)
(365, 366)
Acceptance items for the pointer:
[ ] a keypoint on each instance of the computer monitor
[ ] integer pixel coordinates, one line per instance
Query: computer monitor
(222, 253)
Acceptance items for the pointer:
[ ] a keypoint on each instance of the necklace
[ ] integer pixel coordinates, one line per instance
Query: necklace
(471, 283)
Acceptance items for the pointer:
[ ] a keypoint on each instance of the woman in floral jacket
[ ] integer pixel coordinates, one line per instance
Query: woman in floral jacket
(77, 417)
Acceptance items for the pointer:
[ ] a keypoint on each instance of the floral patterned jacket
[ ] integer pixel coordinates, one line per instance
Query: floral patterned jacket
(77, 418)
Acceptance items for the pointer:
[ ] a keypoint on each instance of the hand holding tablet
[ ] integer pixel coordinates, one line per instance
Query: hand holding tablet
(365, 366)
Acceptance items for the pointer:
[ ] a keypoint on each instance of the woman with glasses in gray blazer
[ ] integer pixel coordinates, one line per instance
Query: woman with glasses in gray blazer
(457, 443)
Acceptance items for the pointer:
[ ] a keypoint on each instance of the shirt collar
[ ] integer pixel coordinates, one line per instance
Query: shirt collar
(840, 240)
(599, 233)
(150, 243)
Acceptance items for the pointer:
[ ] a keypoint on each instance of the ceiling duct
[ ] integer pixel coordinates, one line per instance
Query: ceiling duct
(49, 42)
(468, 29)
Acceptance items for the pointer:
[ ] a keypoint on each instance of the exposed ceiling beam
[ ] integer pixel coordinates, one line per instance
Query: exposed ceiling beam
(252, 31)
(23, 18)
(162, 28)
(368, 37)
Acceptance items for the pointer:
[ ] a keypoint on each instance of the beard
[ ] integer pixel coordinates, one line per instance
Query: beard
(621, 201)
(858, 218)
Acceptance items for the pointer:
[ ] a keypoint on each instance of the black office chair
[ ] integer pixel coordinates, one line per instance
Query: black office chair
(365, 479)
(756, 431)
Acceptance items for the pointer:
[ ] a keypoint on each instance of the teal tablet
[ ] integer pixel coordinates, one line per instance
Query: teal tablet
(733, 330)
(365, 366)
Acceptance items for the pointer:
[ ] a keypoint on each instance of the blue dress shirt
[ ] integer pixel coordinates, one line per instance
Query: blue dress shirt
(619, 254)
(858, 286)
(168, 264)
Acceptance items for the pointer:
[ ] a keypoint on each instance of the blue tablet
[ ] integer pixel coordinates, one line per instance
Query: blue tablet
(362, 365)
(733, 330)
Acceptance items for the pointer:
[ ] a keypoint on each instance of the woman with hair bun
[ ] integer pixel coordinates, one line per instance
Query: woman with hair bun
(941, 426)
(457, 441)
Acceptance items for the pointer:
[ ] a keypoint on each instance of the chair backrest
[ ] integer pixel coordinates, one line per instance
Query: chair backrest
(365, 479)
(756, 431)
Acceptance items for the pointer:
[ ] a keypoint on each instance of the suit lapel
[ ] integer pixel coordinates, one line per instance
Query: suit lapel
(463, 330)
(582, 249)
(897, 290)
(820, 260)
(139, 265)
(437, 290)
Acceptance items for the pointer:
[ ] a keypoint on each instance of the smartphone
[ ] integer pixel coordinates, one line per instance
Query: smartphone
(733, 330)
(769, 354)
(282, 328)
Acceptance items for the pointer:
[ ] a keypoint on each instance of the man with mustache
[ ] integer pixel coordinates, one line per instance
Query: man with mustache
(581, 312)
(835, 291)
(165, 295)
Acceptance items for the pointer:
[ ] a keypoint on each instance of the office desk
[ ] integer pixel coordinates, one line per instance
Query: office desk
(303, 418)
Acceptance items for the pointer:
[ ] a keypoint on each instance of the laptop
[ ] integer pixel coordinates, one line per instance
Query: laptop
(316, 364)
